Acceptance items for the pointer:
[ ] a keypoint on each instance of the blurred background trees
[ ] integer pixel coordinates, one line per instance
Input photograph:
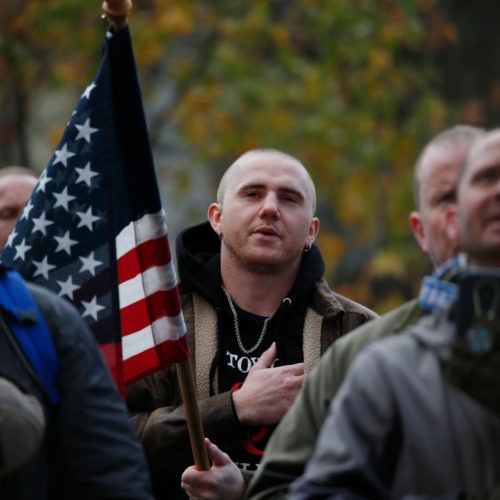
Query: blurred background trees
(353, 88)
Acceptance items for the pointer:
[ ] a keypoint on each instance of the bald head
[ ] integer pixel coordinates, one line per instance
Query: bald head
(434, 189)
(452, 143)
(266, 156)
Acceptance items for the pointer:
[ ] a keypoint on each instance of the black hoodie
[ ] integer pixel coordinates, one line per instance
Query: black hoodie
(198, 260)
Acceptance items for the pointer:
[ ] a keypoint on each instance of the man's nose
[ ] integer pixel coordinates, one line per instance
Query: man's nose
(270, 206)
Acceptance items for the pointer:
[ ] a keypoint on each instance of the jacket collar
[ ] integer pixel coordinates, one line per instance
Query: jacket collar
(8, 300)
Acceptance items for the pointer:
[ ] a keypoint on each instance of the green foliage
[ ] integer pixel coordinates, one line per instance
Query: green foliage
(348, 86)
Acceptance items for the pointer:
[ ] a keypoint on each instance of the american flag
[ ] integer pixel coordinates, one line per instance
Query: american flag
(94, 229)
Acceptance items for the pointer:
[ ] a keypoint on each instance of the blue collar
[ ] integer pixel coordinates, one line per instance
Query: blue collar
(10, 304)
(438, 290)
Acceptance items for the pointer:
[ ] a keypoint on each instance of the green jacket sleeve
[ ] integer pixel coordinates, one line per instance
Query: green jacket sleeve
(292, 443)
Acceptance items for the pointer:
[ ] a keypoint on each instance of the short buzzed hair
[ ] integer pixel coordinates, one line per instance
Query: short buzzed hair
(458, 135)
(221, 191)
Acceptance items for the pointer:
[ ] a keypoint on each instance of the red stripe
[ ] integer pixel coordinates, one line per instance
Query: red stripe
(174, 351)
(168, 352)
(142, 313)
(148, 254)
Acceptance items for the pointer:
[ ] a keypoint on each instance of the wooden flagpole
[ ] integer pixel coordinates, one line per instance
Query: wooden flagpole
(117, 13)
(193, 418)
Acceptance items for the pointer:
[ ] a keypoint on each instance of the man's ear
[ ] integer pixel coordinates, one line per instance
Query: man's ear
(313, 231)
(452, 224)
(418, 230)
(215, 217)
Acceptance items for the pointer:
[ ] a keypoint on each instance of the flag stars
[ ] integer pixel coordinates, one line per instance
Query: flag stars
(64, 243)
(67, 288)
(87, 218)
(88, 90)
(11, 237)
(41, 223)
(63, 199)
(89, 264)
(43, 268)
(85, 131)
(42, 182)
(63, 155)
(26, 210)
(91, 308)
(85, 174)
(21, 250)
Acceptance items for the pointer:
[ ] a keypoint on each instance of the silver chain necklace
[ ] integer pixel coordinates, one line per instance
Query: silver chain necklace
(237, 327)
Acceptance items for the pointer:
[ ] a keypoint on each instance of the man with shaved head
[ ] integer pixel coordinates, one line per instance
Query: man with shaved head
(418, 414)
(434, 187)
(259, 314)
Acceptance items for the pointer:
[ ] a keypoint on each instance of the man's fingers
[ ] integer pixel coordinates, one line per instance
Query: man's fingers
(217, 456)
(267, 358)
(296, 369)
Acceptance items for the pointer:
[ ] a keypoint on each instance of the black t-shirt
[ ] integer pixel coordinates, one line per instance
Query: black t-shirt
(234, 365)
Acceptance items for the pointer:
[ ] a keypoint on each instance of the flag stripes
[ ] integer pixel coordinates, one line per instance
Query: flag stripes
(150, 308)
(94, 230)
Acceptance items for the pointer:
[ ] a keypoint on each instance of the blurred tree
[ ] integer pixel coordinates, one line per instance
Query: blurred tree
(353, 88)
(40, 43)
(346, 86)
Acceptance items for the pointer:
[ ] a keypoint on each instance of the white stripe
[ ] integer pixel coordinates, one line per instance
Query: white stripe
(145, 284)
(149, 227)
(159, 331)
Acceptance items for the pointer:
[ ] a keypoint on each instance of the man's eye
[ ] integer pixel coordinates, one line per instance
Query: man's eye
(8, 214)
(487, 176)
(289, 198)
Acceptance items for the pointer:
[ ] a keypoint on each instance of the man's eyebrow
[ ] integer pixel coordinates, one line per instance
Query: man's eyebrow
(251, 185)
(281, 190)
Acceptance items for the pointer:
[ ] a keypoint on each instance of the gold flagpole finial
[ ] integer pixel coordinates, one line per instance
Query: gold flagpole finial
(117, 12)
